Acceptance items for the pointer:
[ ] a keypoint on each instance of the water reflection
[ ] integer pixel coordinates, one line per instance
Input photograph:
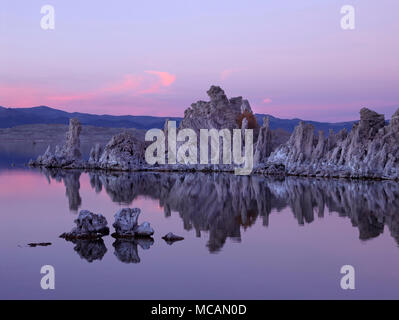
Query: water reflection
(223, 205)
(70, 178)
(126, 249)
(90, 250)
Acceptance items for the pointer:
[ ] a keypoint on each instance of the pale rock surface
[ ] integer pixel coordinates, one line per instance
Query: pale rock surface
(68, 155)
(263, 147)
(144, 230)
(88, 226)
(95, 153)
(370, 150)
(126, 224)
(124, 152)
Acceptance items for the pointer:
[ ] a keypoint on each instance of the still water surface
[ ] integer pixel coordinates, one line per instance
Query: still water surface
(245, 237)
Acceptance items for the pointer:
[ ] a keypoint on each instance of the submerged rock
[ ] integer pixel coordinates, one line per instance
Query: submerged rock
(170, 238)
(88, 226)
(126, 225)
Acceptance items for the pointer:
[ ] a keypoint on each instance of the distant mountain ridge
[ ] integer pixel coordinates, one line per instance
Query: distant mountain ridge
(290, 124)
(11, 117)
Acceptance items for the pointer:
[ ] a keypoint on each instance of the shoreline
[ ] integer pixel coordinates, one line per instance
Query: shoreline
(206, 171)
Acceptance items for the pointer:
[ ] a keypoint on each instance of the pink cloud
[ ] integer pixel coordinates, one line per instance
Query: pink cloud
(267, 101)
(131, 85)
(130, 82)
(227, 73)
(166, 78)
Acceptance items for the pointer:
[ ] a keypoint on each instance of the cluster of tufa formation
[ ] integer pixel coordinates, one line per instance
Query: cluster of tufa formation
(94, 226)
(67, 156)
(90, 228)
(218, 113)
(369, 150)
(123, 152)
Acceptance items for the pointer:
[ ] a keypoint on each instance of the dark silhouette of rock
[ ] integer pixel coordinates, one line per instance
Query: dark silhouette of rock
(70, 178)
(171, 238)
(40, 244)
(126, 249)
(72, 187)
(88, 226)
(90, 250)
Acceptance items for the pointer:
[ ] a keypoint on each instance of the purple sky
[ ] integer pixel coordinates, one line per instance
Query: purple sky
(157, 57)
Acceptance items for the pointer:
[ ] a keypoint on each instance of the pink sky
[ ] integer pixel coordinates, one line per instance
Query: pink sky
(157, 59)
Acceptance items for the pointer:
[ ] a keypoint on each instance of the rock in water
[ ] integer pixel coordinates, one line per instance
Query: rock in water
(124, 152)
(71, 149)
(95, 154)
(218, 113)
(170, 238)
(88, 226)
(144, 230)
(126, 225)
(126, 221)
(68, 155)
(370, 150)
(40, 244)
(263, 147)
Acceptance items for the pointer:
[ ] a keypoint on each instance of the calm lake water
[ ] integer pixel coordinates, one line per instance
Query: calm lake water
(245, 237)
